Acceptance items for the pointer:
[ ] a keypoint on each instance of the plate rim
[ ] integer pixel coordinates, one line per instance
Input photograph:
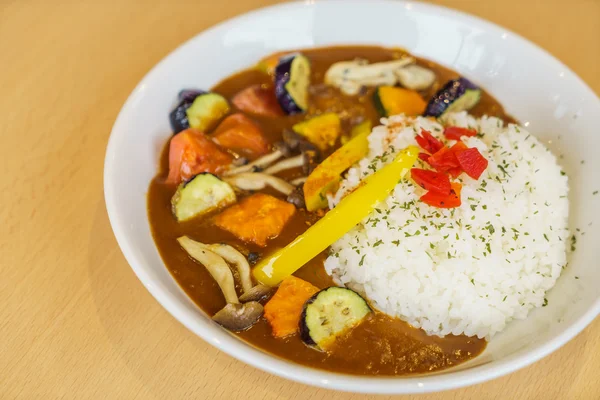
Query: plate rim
(273, 364)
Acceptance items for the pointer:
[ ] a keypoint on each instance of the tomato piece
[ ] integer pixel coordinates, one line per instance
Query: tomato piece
(458, 146)
(428, 142)
(455, 132)
(472, 162)
(424, 157)
(443, 160)
(455, 172)
(191, 152)
(451, 200)
(241, 135)
(430, 180)
(258, 100)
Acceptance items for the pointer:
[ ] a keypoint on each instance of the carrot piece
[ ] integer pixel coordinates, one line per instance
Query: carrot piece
(451, 200)
(430, 180)
(258, 100)
(472, 162)
(241, 135)
(283, 310)
(190, 153)
(455, 132)
(256, 219)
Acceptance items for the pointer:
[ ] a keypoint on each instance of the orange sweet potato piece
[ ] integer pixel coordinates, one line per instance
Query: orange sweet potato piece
(256, 219)
(241, 135)
(284, 309)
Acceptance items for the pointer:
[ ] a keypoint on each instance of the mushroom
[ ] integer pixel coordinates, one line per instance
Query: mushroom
(258, 181)
(257, 293)
(312, 158)
(238, 162)
(257, 164)
(351, 76)
(282, 147)
(239, 317)
(298, 181)
(234, 316)
(216, 266)
(234, 257)
(288, 163)
(253, 257)
(415, 77)
(297, 198)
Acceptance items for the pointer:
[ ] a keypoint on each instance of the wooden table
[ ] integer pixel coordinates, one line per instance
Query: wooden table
(75, 322)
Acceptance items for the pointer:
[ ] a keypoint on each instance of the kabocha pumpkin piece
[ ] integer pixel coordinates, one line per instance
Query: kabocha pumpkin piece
(322, 130)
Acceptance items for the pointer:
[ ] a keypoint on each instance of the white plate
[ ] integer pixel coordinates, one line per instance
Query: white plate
(533, 86)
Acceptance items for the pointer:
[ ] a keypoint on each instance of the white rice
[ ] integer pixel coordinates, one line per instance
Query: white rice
(472, 269)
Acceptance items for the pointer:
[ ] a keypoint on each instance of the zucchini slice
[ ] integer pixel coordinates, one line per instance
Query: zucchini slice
(391, 100)
(457, 95)
(206, 110)
(292, 77)
(329, 313)
(201, 195)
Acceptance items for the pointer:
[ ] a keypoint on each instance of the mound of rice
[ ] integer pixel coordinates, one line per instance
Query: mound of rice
(468, 270)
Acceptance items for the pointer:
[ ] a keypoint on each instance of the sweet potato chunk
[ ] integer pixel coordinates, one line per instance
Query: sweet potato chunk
(256, 219)
(241, 135)
(284, 309)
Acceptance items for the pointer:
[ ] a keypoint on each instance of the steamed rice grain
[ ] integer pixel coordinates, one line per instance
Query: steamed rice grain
(468, 270)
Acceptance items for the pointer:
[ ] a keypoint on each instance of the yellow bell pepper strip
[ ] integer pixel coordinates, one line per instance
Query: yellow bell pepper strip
(350, 211)
(326, 177)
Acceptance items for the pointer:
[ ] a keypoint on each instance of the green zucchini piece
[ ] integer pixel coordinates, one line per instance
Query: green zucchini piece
(329, 313)
(202, 194)
(206, 110)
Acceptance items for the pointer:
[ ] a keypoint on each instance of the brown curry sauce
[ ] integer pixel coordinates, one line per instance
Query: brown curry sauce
(381, 345)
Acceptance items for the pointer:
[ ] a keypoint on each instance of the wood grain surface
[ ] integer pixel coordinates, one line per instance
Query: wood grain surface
(75, 323)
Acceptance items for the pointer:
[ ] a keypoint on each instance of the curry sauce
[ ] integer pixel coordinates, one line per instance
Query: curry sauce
(381, 345)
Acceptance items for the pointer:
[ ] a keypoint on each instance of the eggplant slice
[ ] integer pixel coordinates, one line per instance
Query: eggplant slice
(178, 117)
(457, 95)
(292, 78)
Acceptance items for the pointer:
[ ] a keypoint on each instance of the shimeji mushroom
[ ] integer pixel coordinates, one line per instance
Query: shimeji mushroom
(257, 293)
(233, 316)
(234, 257)
(415, 77)
(258, 164)
(258, 181)
(350, 76)
(288, 163)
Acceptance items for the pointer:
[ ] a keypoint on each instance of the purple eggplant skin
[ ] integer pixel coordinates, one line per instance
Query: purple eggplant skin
(190, 94)
(447, 95)
(282, 77)
(178, 117)
(302, 327)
